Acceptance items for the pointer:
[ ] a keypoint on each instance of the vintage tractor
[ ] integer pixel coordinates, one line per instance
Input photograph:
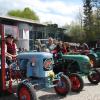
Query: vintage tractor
(75, 66)
(93, 54)
(38, 68)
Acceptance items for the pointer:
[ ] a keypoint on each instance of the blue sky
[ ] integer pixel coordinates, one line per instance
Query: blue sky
(54, 11)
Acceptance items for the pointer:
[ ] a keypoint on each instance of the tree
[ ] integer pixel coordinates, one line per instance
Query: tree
(88, 20)
(79, 25)
(76, 32)
(26, 13)
(79, 17)
(75, 29)
(96, 17)
(96, 20)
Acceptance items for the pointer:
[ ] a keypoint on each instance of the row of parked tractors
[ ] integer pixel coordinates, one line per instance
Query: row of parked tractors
(38, 70)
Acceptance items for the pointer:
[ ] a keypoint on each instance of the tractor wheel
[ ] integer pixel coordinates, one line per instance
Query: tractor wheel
(63, 86)
(94, 77)
(92, 60)
(77, 82)
(26, 91)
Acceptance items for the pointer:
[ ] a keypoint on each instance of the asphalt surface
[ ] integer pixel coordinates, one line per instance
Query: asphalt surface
(89, 92)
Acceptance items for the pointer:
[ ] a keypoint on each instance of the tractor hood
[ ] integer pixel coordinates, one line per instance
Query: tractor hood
(76, 57)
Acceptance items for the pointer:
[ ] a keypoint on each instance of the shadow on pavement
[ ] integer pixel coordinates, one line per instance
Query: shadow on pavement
(10, 97)
(50, 97)
(90, 84)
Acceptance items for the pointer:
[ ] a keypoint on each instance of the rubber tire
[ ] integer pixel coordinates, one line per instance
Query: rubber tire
(92, 57)
(29, 89)
(94, 81)
(81, 82)
(67, 83)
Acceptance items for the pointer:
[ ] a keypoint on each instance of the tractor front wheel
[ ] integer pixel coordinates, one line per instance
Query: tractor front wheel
(62, 86)
(94, 77)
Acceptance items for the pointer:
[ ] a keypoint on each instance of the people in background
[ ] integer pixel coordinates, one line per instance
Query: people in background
(85, 46)
(50, 44)
(64, 48)
(44, 48)
(38, 45)
(55, 41)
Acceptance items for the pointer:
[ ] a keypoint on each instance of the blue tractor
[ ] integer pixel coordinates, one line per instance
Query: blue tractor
(36, 68)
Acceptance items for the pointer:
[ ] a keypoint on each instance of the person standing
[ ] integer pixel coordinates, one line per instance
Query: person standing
(50, 44)
(10, 49)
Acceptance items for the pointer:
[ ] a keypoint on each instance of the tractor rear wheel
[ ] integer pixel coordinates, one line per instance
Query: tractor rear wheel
(26, 91)
(77, 82)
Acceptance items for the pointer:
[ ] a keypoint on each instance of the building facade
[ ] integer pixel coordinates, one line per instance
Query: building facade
(25, 31)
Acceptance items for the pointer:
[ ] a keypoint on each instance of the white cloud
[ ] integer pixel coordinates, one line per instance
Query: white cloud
(57, 11)
(58, 19)
(62, 8)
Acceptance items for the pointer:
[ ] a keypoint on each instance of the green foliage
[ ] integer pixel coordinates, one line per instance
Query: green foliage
(87, 29)
(96, 18)
(26, 13)
(96, 27)
(88, 20)
(75, 31)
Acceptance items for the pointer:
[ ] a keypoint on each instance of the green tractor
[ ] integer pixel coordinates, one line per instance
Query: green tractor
(76, 66)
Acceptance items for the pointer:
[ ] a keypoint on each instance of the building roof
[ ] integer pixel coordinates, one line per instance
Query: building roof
(17, 19)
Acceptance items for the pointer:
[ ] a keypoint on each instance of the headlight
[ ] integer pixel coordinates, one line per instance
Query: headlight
(47, 64)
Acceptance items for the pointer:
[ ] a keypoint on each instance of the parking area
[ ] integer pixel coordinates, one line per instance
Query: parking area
(90, 92)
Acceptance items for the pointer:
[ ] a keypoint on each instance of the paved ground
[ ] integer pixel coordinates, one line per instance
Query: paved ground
(90, 92)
